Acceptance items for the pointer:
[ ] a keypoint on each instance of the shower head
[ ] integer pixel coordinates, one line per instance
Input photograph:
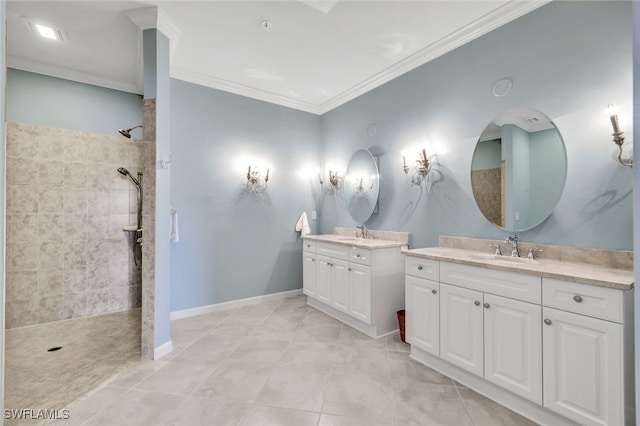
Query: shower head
(125, 172)
(127, 132)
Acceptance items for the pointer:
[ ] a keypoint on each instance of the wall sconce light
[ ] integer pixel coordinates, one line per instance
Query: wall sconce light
(334, 182)
(362, 184)
(618, 136)
(418, 173)
(256, 182)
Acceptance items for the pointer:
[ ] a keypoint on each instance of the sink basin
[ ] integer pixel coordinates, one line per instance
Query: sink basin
(503, 259)
(353, 240)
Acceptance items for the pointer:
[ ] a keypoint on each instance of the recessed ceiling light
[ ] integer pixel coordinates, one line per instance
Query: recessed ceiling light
(45, 31)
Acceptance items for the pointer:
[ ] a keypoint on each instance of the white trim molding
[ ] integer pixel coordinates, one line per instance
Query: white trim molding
(185, 313)
(162, 350)
(479, 27)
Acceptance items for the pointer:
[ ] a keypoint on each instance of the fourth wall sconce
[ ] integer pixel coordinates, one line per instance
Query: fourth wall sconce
(256, 181)
(618, 136)
(333, 182)
(417, 174)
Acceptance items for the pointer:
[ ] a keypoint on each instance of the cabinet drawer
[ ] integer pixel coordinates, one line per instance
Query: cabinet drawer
(599, 302)
(359, 255)
(503, 283)
(336, 251)
(308, 245)
(422, 268)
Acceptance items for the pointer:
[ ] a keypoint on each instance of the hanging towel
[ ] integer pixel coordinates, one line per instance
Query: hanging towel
(303, 225)
(174, 225)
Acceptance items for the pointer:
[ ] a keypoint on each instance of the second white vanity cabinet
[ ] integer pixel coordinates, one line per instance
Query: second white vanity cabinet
(362, 287)
(556, 351)
(495, 337)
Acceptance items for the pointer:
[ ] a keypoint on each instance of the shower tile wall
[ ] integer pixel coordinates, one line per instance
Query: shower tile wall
(67, 255)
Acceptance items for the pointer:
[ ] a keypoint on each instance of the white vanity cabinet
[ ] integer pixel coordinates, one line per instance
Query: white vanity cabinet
(583, 354)
(309, 269)
(495, 337)
(556, 351)
(361, 287)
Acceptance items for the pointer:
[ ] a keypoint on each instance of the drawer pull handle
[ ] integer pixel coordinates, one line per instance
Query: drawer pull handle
(434, 291)
(577, 299)
(487, 306)
(350, 269)
(358, 255)
(420, 268)
(547, 321)
(477, 303)
(313, 260)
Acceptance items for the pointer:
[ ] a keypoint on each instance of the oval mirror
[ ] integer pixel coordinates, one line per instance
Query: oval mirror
(518, 170)
(362, 185)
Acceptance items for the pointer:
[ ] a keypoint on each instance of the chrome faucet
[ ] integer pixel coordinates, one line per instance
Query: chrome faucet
(514, 248)
(364, 230)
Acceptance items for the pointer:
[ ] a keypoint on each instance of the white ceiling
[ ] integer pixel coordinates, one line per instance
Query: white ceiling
(315, 56)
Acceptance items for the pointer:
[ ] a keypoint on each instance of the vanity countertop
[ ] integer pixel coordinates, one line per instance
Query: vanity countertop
(368, 243)
(622, 279)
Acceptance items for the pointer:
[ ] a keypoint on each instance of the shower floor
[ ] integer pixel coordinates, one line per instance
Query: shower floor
(92, 350)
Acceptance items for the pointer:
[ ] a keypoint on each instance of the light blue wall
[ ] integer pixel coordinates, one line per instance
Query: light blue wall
(157, 85)
(548, 160)
(54, 102)
(566, 59)
(235, 245)
(487, 155)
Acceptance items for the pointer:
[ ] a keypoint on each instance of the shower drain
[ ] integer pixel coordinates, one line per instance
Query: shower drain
(56, 348)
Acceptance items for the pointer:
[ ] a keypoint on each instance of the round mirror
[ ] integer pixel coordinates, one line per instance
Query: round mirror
(362, 185)
(518, 170)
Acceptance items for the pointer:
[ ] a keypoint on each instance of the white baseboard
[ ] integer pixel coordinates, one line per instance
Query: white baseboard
(185, 313)
(162, 350)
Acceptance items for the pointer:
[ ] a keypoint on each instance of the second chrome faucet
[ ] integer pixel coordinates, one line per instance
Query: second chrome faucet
(513, 239)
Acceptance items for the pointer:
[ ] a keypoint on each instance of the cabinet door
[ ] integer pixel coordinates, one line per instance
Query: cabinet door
(360, 292)
(461, 328)
(583, 373)
(513, 346)
(339, 285)
(309, 274)
(323, 279)
(423, 314)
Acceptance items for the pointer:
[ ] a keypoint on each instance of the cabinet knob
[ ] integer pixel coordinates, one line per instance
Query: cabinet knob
(547, 321)
(313, 260)
(577, 299)
(350, 269)
(486, 305)
(477, 303)
(434, 291)
(308, 245)
(420, 268)
(358, 255)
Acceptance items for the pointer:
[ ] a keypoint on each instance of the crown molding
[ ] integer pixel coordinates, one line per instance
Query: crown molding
(242, 90)
(147, 18)
(70, 74)
(479, 27)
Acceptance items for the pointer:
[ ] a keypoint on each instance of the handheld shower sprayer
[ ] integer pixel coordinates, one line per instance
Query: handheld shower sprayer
(127, 132)
(125, 172)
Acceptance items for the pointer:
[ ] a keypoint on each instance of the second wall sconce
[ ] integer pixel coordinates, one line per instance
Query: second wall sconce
(417, 173)
(256, 181)
(618, 136)
(333, 182)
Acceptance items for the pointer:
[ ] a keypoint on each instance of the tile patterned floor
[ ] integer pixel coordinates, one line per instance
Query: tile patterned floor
(283, 363)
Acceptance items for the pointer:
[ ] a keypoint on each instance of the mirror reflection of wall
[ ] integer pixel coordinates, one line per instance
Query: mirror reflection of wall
(362, 187)
(518, 169)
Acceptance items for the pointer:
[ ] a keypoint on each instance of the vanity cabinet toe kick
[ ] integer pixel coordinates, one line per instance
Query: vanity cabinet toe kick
(558, 352)
(363, 288)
